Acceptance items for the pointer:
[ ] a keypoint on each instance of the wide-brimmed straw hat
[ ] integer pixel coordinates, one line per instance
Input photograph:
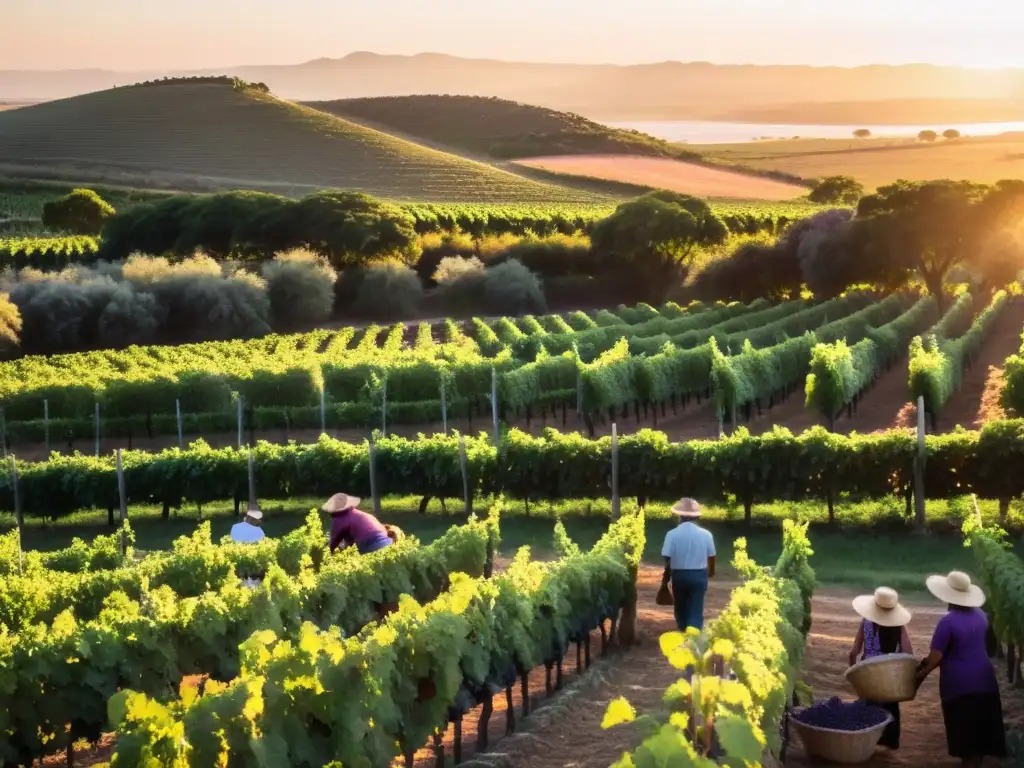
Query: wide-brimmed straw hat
(956, 589)
(883, 608)
(339, 502)
(686, 508)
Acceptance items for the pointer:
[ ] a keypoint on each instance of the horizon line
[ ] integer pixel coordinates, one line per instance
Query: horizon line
(609, 65)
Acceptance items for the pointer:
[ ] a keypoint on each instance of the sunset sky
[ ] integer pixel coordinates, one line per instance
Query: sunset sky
(182, 34)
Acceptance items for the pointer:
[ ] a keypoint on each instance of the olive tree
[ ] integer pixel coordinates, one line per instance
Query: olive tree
(654, 238)
(81, 212)
(836, 190)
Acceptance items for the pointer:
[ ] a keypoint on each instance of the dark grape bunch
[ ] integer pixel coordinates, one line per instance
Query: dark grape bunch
(840, 715)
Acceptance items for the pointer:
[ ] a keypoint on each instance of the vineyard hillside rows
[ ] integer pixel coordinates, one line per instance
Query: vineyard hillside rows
(208, 136)
(694, 372)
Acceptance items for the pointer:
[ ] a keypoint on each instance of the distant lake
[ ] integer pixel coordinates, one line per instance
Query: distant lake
(703, 132)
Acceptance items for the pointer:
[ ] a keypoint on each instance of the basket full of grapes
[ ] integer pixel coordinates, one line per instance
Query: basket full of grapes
(840, 731)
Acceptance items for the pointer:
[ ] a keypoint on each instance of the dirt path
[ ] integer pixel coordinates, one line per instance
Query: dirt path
(572, 736)
(978, 398)
(881, 406)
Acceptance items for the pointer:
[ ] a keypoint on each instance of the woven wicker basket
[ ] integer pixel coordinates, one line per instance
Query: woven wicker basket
(885, 679)
(847, 747)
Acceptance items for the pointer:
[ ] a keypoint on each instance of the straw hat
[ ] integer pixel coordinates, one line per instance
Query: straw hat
(687, 508)
(956, 589)
(883, 608)
(339, 502)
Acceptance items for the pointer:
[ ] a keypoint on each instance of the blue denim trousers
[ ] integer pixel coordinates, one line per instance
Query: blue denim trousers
(373, 545)
(688, 590)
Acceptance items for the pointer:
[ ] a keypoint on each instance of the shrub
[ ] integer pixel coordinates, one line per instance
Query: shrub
(951, 133)
(54, 315)
(10, 326)
(129, 317)
(388, 290)
(862, 133)
(460, 285)
(512, 289)
(436, 246)
(81, 212)
(927, 136)
(836, 190)
(300, 286)
(454, 268)
(201, 307)
(554, 256)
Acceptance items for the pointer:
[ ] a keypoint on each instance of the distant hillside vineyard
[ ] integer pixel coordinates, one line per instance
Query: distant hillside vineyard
(497, 128)
(215, 135)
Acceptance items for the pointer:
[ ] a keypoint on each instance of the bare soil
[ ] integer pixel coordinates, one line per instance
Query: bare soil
(978, 398)
(573, 738)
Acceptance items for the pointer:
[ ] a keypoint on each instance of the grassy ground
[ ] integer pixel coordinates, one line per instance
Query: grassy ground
(196, 136)
(875, 162)
(872, 544)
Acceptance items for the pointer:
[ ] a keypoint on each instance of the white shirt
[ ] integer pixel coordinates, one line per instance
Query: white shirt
(246, 533)
(689, 547)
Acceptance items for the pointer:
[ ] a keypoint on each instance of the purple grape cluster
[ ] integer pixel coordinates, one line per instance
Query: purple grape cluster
(840, 715)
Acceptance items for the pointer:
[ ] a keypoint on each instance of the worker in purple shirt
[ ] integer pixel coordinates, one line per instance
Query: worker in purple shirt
(971, 706)
(350, 525)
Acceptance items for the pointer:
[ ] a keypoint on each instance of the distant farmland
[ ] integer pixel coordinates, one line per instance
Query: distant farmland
(875, 162)
(664, 173)
(191, 136)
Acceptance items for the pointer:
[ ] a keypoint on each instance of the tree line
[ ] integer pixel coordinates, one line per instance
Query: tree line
(908, 231)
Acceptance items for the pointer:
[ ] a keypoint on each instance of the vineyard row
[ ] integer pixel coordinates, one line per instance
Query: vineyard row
(777, 465)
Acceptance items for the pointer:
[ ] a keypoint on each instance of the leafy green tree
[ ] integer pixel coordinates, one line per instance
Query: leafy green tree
(348, 228)
(81, 211)
(837, 190)
(928, 135)
(922, 227)
(655, 238)
(753, 271)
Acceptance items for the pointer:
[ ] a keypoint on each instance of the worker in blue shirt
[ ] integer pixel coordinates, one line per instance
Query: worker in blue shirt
(689, 553)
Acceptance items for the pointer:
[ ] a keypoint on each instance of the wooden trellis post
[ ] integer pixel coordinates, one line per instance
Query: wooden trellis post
(123, 498)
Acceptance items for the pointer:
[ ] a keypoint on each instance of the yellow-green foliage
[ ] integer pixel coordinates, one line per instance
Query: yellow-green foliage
(938, 359)
(709, 718)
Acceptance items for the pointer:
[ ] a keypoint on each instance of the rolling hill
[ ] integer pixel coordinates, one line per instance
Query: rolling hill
(208, 135)
(497, 128)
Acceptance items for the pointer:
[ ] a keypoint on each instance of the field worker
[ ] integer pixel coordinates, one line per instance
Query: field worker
(971, 707)
(689, 553)
(250, 530)
(350, 525)
(883, 630)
